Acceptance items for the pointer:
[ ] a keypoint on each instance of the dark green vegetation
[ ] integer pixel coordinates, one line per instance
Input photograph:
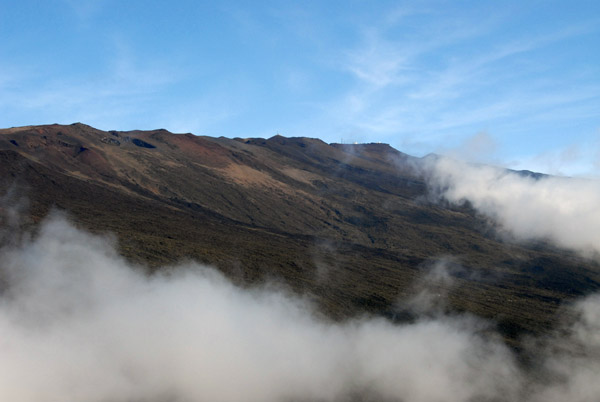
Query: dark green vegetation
(349, 226)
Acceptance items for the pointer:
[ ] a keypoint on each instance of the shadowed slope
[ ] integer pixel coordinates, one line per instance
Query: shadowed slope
(348, 224)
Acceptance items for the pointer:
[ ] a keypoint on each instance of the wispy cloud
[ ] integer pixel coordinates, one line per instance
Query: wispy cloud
(578, 159)
(85, 9)
(118, 91)
(438, 82)
(378, 64)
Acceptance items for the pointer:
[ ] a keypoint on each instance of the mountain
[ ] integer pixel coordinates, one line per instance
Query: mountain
(351, 226)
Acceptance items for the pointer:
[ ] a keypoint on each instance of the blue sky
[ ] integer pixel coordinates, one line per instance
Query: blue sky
(507, 82)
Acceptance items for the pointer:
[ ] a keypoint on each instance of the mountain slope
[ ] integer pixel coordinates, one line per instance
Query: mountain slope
(349, 225)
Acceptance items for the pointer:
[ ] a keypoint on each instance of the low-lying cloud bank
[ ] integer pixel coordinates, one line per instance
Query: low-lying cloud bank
(562, 210)
(78, 323)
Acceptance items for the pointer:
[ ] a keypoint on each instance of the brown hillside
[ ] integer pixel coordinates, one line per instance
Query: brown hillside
(347, 224)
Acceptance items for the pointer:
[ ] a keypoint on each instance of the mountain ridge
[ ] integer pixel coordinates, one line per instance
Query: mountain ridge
(350, 224)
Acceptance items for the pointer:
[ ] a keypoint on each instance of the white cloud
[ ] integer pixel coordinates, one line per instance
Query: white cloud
(571, 361)
(78, 323)
(562, 210)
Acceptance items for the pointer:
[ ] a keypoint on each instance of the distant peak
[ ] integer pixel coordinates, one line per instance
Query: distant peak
(431, 156)
(80, 126)
(295, 140)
